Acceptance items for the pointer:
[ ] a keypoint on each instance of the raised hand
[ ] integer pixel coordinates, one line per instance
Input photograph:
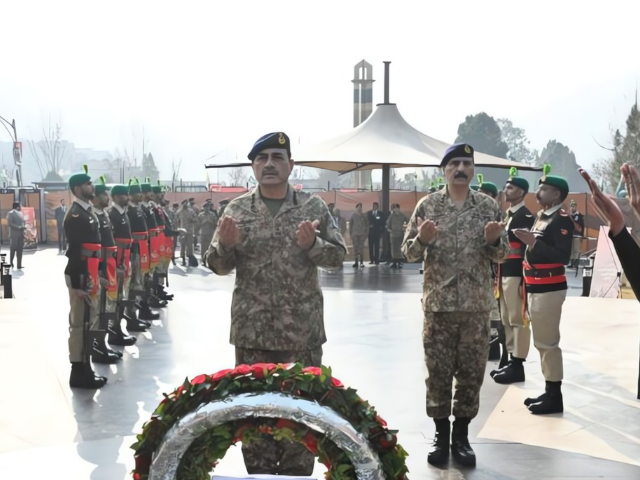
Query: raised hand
(525, 236)
(307, 234)
(493, 231)
(606, 204)
(632, 183)
(228, 232)
(427, 230)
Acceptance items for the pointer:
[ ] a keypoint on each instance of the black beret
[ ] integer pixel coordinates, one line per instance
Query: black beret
(459, 150)
(270, 140)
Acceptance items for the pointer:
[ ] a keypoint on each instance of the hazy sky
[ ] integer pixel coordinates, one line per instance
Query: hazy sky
(204, 77)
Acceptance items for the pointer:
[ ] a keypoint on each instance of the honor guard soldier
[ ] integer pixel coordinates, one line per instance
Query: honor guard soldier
(122, 237)
(150, 300)
(517, 335)
(548, 251)
(456, 232)
(488, 188)
(82, 279)
(139, 261)
(108, 299)
(167, 234)
(276, 238)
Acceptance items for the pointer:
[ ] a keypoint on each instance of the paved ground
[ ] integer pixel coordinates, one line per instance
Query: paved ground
(373, 323)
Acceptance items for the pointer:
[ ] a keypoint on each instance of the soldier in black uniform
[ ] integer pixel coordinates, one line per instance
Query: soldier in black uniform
(548, 251)
(139, 261)
(164, 224)
(122, 236)
(106, 310)
(81, 276)
(517, 335)
(150, 300)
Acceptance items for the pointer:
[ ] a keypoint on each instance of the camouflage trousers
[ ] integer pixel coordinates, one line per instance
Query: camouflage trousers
(266, 455)
(456, 345)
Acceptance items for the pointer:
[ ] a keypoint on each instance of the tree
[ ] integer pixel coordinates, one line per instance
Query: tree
(238, 177)
(563, 163)
(483, 133)
(49, 152)
(517, 142)
(149, 168)
(608, 169)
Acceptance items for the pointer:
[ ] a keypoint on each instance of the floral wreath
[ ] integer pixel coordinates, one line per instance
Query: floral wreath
(310, 383)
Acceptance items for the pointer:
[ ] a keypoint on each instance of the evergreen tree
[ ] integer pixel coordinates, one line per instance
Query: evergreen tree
(149, 168)
(518, 143)
(563, 163)
(483, 133)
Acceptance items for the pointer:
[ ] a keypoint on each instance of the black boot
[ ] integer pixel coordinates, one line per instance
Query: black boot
(460, 448)
(355, 265)
(82, 376)
(145, 312)
(102, 353)
(155, 302)
(549, 402)
(512, 373)
(118, 337)
(439, 451)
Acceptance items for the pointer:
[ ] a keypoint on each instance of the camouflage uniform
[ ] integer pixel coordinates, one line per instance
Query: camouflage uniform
(187, 219)
(395, 226)
(358, 229)
(277, 307)
(457, 297)
(207, 220)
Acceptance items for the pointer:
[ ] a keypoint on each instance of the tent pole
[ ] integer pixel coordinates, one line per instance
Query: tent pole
(386, 176)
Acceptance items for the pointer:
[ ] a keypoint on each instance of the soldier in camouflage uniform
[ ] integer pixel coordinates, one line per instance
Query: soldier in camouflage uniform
(208, 221)
(457, 233)
(276, 238)
(187, 220)
(395, 226)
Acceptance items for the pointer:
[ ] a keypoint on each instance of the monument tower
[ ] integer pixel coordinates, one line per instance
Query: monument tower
(362, 108)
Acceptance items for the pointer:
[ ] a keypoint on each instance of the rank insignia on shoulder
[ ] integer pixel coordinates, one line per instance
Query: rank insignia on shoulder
(563, 212)
(75, 215)
(564, 232)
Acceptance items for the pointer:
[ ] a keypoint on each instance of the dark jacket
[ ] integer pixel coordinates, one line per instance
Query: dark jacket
(80, 226)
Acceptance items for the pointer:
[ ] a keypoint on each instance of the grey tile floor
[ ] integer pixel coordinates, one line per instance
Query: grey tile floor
(373, 323)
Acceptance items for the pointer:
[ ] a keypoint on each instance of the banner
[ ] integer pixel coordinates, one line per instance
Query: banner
(606, 268)
(30, 232)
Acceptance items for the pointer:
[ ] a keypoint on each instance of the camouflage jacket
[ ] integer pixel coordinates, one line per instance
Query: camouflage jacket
(187, 219)
(395, 223)
(277, 301)
(457, 271)
(207, 221)
(358, 225)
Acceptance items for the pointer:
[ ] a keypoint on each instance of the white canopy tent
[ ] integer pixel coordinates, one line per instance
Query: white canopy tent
(384, 141)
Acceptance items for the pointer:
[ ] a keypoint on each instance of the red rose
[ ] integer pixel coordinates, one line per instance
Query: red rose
(143, 463)
(283, 423)
(314, 370)
(388, 441)
(260, 369)
(380, 420)
(336, 382)
(237, 436)
(199, 379)
(221, 374)
(136, 476)
(242, 370)
(309, 441)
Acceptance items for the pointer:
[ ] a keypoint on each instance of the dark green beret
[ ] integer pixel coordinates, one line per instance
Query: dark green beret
(145, 188)
(475, 187)
(460, 150)
(79, 178)
(119, 190)
(270, 140)
(519, 182)
(101, 185)
(489, 187)
(134, 186)
(157, 189)
(555, 181)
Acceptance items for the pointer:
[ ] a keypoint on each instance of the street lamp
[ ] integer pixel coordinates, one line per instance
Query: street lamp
(17, 147)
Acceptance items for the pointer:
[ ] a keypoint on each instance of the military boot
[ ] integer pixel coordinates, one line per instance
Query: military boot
(83, 376)
(549, 402)
(439, 451)
(118, 337)
(512, 373)
(145, 312)
(102, 353)
(460, 447)
(134, 324)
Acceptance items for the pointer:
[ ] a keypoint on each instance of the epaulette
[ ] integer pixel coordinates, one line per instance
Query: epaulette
(563, 212)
